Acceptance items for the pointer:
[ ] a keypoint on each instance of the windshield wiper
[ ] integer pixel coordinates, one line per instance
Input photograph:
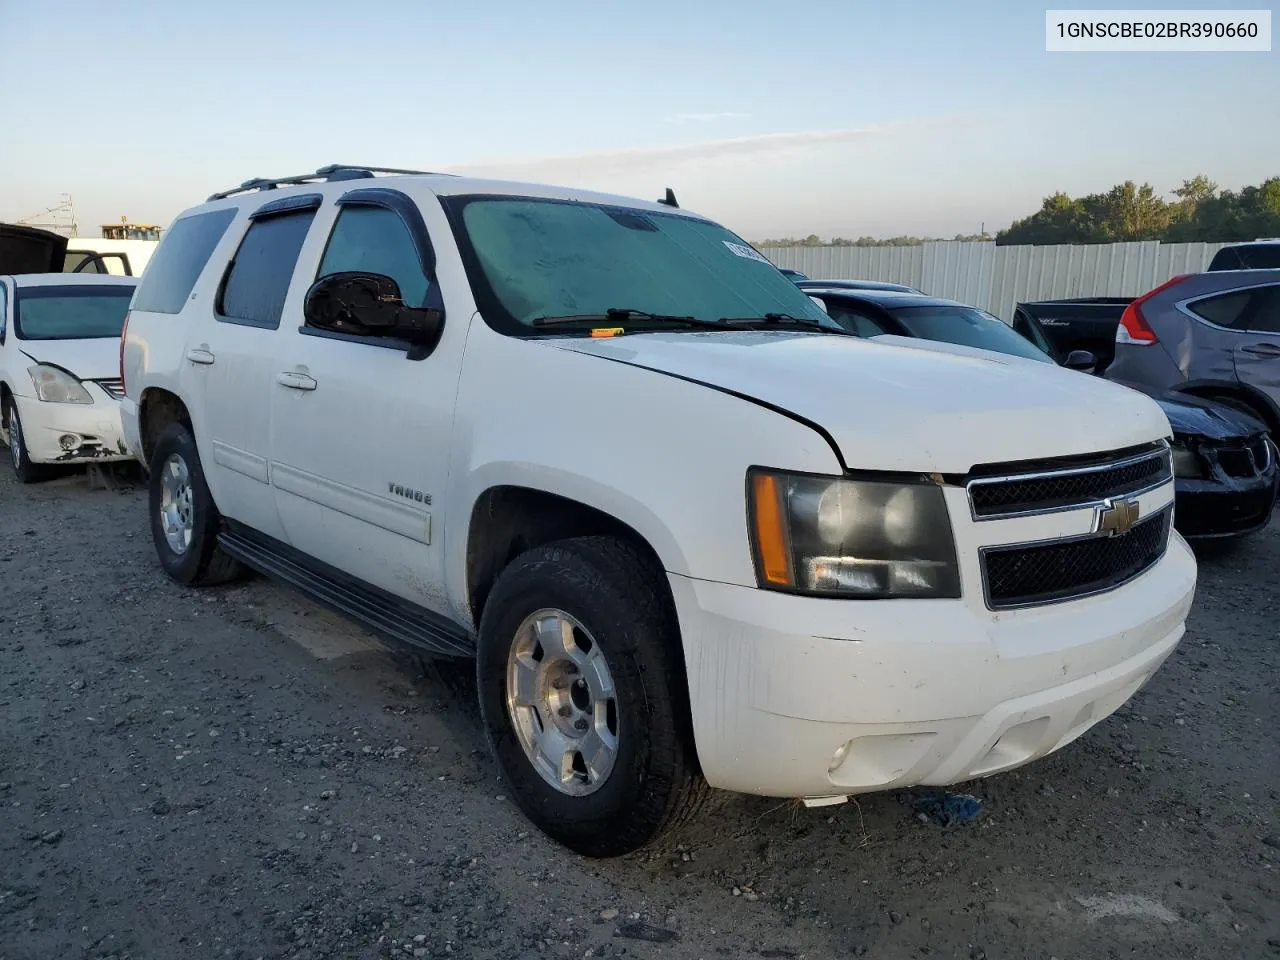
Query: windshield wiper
(766, 320)
(622, 316)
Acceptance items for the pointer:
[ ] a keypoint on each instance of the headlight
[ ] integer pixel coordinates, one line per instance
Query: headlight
(57, 386)
(851, 538)
(1186, 463)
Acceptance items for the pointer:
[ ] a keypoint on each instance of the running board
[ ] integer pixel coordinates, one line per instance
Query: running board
(383, 613)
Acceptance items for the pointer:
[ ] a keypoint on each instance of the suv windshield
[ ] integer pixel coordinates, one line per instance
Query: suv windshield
(967, 327)
(71, 313)
(529, 258)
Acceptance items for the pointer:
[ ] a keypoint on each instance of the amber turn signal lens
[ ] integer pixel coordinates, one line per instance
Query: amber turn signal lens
(771, 532)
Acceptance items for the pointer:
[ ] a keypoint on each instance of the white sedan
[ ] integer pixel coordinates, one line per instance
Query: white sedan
(60, 369)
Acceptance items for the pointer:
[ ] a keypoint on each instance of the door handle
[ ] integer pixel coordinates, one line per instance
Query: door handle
(1262, 350)
(200, 355)
(296, 381)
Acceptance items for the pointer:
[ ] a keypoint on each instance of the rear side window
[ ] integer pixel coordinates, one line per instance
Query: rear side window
(375, 239)
(257, 280)
(1224, 310)
(174, 268)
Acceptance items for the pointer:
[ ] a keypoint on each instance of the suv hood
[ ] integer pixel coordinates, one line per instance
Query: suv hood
(97, 359)
(895, 406)
(1187, 415)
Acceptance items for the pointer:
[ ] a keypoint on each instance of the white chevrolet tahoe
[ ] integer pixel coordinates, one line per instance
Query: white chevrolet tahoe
(692, 533)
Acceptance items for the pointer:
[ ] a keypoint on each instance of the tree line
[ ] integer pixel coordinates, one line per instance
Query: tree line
(1198, 210)
(813, 240)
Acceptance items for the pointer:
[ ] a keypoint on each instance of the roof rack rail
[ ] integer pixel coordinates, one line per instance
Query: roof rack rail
(328, 174)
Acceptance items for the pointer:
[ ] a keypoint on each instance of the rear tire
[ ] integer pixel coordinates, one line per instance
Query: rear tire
(607, 686)
(19, 457)
(184, 520)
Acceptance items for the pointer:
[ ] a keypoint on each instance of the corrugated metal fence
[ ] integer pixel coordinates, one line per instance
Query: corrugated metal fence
(996, 278)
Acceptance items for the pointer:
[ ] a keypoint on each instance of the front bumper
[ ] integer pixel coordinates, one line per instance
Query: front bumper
(1225, 506)
(131, 424)
(804, 697)
(94, 429)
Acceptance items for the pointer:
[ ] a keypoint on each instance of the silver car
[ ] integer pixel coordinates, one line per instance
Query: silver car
(1213, 335)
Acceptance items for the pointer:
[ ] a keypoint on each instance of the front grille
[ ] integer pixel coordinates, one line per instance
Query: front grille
(1243, 462)
(1027, 574)
(1237, 462)
(114, 387)
(1022, 489)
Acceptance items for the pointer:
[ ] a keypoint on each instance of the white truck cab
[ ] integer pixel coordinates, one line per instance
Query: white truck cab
(692, 533)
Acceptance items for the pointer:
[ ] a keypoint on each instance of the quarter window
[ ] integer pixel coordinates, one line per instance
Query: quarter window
(1224, 310)
(257, 280)
(176, 265)
(375, 239)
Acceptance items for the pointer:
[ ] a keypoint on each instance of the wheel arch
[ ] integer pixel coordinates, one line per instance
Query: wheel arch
(157, 408)
(507, 520)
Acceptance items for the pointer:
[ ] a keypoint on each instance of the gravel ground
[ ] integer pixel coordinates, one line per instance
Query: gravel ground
(238, 774)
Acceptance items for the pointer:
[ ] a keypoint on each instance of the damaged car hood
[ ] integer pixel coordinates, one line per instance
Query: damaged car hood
(97, 359)
(891, 406)
(1195, 416)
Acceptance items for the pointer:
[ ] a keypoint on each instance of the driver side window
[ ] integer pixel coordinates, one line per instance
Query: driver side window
(375, 239)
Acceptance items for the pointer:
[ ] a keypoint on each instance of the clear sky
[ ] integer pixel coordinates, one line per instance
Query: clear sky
(836, 117)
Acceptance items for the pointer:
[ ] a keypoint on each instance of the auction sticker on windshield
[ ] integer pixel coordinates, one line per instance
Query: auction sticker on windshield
(744, 251)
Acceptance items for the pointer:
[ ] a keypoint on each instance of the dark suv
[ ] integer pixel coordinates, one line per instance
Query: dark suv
(1213, 334)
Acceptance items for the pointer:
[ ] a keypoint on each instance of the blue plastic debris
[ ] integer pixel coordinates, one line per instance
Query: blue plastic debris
(943, 807)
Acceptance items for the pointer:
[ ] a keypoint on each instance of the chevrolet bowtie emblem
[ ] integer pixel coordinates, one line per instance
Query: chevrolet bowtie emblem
(1113, 518)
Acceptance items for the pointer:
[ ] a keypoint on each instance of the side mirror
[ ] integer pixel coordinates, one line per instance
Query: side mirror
(369, 304)
(1080, 360)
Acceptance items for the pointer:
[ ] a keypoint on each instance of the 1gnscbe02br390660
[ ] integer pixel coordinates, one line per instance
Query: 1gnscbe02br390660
(692, 533)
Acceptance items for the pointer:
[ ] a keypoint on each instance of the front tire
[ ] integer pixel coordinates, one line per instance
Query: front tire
(19, 456)
(581, 694)
(184, 520)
